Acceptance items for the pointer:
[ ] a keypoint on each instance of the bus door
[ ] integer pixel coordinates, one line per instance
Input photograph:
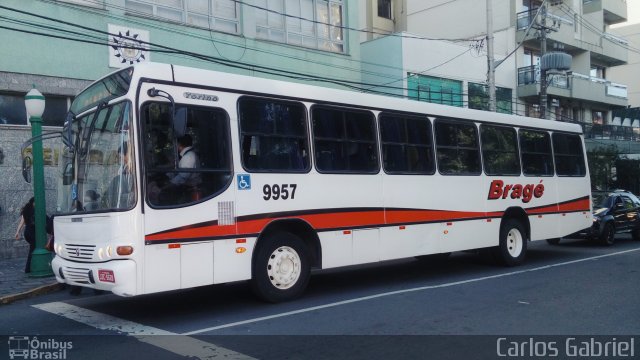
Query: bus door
(189, 209)
(540, 200)
(574, 187)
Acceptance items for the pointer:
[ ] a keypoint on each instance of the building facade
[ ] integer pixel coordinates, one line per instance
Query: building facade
(61, 46)
(576, 27)
(439, 54)
(631, 70)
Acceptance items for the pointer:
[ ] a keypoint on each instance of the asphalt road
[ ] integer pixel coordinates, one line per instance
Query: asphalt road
(465, 307)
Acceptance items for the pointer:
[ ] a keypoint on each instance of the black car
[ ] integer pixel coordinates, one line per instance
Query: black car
(615, 212)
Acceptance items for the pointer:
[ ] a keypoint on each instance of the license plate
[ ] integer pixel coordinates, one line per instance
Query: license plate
(106, 276)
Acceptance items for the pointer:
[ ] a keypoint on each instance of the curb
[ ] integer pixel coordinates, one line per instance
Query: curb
(41, 290)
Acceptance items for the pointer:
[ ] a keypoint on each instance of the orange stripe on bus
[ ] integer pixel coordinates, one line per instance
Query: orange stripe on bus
(352, 219)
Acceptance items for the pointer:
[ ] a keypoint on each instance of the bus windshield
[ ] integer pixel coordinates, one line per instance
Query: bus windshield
(98, 174)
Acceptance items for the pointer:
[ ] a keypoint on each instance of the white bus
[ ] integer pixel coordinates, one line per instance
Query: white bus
(291, 177)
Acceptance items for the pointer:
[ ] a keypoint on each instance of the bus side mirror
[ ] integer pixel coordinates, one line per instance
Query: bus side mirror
(26, 169)
(180, 121)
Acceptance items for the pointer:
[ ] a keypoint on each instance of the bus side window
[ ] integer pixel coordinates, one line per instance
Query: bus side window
(407, 146)
(568, 155)
(499, 150)
(344, 140)
(535, 150)
(273, 135)
(457, 147)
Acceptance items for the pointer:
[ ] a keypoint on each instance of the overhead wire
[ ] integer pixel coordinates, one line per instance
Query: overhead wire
(332, 65)
(168, 50)
(355, 85)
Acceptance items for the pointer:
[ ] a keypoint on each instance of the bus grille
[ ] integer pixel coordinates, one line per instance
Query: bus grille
(81, 252)
(77, 275)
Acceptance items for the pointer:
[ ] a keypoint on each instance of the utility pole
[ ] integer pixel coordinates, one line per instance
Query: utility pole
(490, 58)
(543, 50)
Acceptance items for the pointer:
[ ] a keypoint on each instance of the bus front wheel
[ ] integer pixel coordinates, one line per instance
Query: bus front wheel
(512, 248)
(281, 268)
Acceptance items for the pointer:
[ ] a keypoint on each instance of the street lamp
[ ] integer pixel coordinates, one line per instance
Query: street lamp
(41, 258)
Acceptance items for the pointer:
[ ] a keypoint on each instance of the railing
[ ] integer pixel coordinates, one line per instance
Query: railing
(525, 18)
(611, 132)
(615, 38)
(531, 75)
(617, 90)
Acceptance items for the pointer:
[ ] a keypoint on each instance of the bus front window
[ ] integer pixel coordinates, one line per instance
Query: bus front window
(98, 174)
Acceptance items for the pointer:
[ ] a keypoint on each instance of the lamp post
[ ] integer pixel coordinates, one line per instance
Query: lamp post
(41, 258)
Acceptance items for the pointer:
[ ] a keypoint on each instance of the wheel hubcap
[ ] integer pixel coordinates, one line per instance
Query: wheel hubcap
(284, 267)
(515, 242)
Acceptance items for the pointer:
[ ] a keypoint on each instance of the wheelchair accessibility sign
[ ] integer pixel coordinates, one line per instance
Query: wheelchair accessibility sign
(244, 181)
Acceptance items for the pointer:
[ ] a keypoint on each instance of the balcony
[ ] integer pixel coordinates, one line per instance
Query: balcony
(608, 49)
(614, 11)
(611, 132)
(576, 86)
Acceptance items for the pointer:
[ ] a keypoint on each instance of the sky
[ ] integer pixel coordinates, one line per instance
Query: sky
(633, 12)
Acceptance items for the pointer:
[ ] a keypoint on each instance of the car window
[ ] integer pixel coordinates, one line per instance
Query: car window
(606, 202)
(628, 204)
(635, 200)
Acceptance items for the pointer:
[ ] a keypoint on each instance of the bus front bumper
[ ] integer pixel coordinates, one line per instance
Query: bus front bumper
(117, 276)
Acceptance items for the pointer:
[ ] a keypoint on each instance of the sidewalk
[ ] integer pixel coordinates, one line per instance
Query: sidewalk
(16, 285)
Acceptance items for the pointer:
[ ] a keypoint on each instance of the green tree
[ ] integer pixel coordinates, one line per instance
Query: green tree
(601, 161)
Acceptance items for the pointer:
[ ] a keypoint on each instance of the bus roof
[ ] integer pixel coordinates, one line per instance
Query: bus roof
(317, 94)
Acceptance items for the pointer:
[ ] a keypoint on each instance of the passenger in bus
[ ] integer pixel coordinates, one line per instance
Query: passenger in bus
(183, 186)
(188, 160)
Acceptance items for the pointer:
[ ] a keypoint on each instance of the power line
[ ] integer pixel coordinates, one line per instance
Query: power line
(359, 86)
(87, 38)
(589, 26)
(349, 28)
(244, 47)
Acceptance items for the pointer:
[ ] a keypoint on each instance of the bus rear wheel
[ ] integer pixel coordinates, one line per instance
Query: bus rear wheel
(281, 268)
(512, 249)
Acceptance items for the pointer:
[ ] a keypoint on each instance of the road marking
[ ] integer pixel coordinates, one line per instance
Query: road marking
(178, 344)
(397, 292)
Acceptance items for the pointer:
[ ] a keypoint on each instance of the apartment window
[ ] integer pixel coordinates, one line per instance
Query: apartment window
(479, 98)
(531, 4)
(315, 24)
(598, 72)
(457, 148)
(406, 144)
(597, 117)
(435, 90)
(221, 15)
(535, 149)
(274, 135)
(344, 140)
(532, 110)
(12, 110)
(91, 3)
(531, 58)
(384, 9)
